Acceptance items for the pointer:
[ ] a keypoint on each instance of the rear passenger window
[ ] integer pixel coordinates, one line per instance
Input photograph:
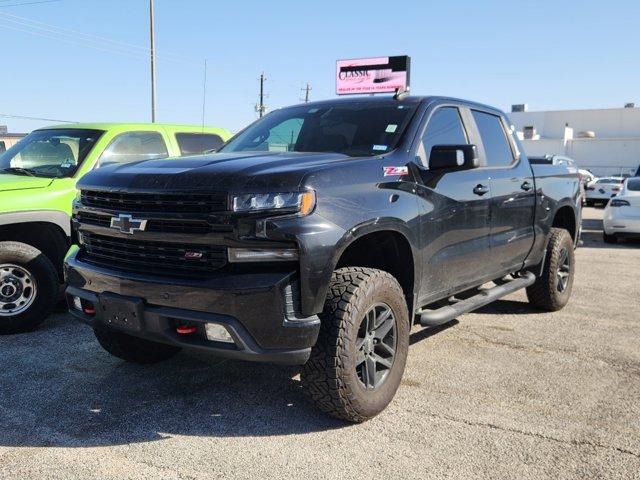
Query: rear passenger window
(198, 143)
(444, 128)
(494, 139)
(134, 146)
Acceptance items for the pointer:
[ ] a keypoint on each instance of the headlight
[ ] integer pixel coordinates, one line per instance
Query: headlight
(299, 202)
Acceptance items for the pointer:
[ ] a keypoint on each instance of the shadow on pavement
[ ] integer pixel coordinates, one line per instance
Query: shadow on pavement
(59, 388)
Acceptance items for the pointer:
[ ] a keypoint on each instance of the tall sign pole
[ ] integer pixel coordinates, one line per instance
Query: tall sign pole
(153, 62)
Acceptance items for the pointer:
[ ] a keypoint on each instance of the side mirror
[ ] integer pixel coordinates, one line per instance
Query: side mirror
(459, 157)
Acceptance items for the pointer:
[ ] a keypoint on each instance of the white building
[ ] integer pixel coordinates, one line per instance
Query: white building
(605, 141)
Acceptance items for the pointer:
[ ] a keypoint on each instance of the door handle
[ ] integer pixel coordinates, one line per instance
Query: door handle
(480, 189)
(526, 186)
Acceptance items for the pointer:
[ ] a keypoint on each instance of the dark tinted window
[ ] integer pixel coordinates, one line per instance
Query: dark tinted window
(352, 128)
(444, 128)
(496, 146)
(197, 143)
(633, 184)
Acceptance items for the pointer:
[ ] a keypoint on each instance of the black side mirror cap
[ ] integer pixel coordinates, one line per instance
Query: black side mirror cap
(458, 157)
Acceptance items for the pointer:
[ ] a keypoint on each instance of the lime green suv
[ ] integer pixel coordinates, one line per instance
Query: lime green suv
(38, 179)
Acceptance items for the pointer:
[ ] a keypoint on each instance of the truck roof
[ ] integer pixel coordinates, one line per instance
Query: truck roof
(139, 126)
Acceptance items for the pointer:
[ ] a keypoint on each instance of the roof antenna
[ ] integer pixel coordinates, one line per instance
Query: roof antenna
(401, 93)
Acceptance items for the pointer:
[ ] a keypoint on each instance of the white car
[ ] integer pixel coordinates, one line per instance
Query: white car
(601, 190)
(622, 213)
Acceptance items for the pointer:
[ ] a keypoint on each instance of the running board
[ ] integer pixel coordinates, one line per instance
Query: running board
(447, 313)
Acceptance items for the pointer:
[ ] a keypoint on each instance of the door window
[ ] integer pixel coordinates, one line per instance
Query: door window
(134, 146)
(444, 128)
(198, 143)
(494, 139)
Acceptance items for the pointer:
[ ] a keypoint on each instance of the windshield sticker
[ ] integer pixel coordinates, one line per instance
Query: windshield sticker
(379, 148)
(391, 128)
(395, 171)
(313, 110)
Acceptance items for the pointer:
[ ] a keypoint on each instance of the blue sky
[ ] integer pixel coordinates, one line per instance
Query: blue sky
(549, 54)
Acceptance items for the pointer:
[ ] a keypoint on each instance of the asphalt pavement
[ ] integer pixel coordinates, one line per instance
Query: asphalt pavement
(505, 392)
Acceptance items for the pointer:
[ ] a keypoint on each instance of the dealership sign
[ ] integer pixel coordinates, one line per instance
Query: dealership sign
(372, 75)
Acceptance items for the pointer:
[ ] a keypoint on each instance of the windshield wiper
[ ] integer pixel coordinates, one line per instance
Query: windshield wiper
(21, 171)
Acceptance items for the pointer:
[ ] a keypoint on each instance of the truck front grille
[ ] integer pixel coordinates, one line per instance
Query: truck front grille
(151, 257)
(157, 224)
(179, 203)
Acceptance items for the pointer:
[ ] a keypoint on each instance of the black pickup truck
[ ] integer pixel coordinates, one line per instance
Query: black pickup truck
(319, 236)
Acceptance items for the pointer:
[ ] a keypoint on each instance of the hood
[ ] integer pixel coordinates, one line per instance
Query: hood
(9, 182)
(243, 171)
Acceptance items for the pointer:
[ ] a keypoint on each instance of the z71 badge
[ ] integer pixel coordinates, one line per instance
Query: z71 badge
(395, 171)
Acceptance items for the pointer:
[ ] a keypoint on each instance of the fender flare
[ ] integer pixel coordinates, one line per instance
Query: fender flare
(56, 217)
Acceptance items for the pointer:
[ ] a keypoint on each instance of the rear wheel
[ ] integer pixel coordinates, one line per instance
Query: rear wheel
(589, 203)
(134, 349)
(609, 238)
(552, 289)
(28, 287)
(358, 361)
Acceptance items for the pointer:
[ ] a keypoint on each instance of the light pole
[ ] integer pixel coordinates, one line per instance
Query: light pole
(153, 62)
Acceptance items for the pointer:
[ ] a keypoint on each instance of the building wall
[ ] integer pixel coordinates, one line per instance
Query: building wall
(605, 122)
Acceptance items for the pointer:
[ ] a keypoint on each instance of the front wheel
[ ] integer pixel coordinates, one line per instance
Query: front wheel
(28, 287)
(609, 238)
(552, 289)
(356, 366)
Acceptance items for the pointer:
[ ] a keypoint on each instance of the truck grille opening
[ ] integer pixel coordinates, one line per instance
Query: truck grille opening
(157, 224)
(158, 258)
(179, 203)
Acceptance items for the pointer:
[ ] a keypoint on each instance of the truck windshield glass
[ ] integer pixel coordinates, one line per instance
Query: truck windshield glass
(351, 128)
(54, 153)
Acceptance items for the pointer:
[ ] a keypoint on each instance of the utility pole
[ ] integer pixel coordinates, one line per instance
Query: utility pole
(261, 107)
(306, 91)
(153, 62)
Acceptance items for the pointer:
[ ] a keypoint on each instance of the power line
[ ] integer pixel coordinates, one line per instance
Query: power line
(29, 3)
(75, 37)
(22, 117)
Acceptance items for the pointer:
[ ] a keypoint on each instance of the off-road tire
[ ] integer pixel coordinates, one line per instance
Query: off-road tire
(589, 203)
(47, 286)
(544, 293)
(134, 349)
(329, 377)
(609, 238)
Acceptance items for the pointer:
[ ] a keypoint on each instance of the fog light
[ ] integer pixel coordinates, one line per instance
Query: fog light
(77, 303)
(217, 333)
(238, 255)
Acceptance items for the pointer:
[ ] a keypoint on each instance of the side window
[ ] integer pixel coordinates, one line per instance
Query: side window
(494, 139)
(134, 146)
(444, 128)
(198, 143)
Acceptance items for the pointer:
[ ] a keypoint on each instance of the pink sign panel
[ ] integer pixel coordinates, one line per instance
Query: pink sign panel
(372, 75)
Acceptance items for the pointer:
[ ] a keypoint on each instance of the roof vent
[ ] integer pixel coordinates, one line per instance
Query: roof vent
(519, 107)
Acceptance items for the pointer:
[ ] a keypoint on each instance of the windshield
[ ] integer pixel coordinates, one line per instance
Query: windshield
(54, 153)
(352, 128)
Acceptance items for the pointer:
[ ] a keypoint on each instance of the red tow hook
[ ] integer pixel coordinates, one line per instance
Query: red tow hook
(89, 310)
(186, 330)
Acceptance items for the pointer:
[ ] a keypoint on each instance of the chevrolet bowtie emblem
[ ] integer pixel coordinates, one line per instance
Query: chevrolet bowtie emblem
(127, 224)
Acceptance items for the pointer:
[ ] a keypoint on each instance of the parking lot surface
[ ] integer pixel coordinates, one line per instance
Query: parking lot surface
(505, 392)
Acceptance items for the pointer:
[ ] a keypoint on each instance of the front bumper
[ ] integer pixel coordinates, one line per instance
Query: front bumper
(259, 310)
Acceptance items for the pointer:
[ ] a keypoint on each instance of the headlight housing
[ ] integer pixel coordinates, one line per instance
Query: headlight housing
(301, 203)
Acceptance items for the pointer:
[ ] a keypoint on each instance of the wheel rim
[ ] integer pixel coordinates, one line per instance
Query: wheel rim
(376, 346)
(564, 270)
(17, 290)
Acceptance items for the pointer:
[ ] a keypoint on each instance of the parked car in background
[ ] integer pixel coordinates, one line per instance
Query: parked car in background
(622, 213)
(602, 189)
(38, 177)
(587, 176)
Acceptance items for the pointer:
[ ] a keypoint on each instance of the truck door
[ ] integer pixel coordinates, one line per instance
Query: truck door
(512, 193)
(454, 222)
